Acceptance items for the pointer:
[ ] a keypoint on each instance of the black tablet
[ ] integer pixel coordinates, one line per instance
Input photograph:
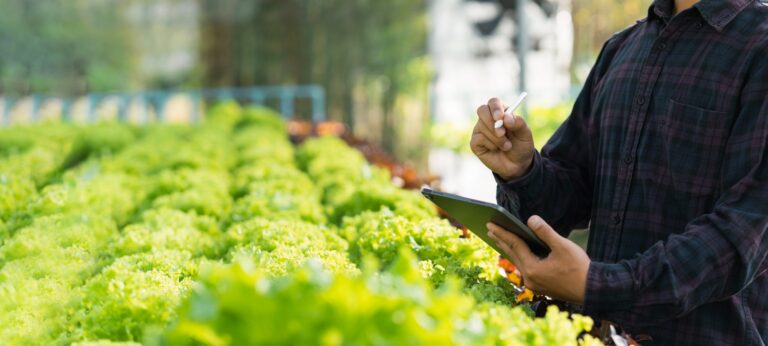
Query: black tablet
(474, 215)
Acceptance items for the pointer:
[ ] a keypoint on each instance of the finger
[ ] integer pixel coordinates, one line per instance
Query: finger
(506, 249)
(545, 231)
(517, 128)
(518, 246)
(484, 114)
(509, 122)
(481, 145)
(496, 109)
(499, 143)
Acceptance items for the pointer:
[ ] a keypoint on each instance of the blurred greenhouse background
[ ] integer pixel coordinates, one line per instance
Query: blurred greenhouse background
(405, 75)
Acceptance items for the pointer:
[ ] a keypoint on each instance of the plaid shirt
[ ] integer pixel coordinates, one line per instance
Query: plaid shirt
(665, 158)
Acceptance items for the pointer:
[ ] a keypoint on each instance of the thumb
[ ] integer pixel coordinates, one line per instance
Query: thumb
(517, 128)
(544, 231)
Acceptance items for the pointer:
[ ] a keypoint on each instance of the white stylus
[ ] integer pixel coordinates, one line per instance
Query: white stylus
(510, 110)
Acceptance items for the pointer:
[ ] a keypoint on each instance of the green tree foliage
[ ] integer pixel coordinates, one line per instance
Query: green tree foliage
(595, 21)
(65, 47)
(333, 42)
(358, 49)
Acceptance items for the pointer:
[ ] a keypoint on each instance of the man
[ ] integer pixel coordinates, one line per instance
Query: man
(665, 158)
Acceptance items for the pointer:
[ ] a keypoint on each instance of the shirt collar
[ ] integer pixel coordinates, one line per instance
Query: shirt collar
(717, 13)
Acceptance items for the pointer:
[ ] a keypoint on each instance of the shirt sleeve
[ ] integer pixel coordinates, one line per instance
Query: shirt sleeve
(558, 186)
(719, 253)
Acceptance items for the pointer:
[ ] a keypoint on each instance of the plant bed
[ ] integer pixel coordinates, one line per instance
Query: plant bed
(226, 233)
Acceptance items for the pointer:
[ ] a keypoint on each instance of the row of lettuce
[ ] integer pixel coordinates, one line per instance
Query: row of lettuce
(226, 233)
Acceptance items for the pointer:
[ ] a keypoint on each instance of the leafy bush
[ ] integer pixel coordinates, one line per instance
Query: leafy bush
(279, 247)
(114, 194)
(240, 305)
(438, 246)
(15, 193)
(375, 197)
(168, 229)
(103, 230)
(131, 294)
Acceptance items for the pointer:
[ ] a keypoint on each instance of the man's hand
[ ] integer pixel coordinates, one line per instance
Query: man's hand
(562, 274)
(507, 151)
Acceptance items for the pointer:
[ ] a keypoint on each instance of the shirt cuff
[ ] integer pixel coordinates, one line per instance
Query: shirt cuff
(520, 183)
(610, 287)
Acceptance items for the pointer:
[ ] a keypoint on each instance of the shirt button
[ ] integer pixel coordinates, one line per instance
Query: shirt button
(662, 46)
(640, 100)
(628, 158)
(699, 25)
(616, 219)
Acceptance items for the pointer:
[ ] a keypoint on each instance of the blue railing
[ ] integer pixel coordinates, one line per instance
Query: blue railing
(155, 101)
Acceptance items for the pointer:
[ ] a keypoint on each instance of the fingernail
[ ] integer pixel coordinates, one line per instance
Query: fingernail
(507, 145)
(534, 221)
(496, 113)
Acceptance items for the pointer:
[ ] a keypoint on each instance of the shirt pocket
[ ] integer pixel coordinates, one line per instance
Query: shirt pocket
(693, 144)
